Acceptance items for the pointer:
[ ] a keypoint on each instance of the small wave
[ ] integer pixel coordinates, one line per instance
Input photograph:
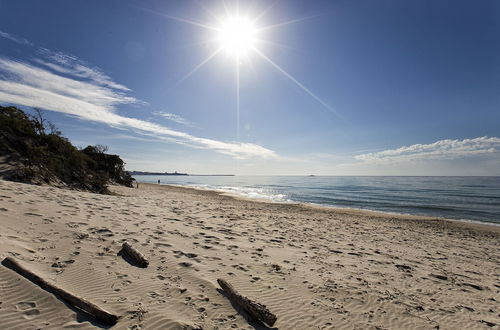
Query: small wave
(460, 198)
(248, 192)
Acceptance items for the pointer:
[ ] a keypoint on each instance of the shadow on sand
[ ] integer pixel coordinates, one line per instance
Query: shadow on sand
(256, 324)
(129, 259)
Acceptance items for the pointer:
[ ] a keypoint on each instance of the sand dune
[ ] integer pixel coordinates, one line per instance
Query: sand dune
(314, 268)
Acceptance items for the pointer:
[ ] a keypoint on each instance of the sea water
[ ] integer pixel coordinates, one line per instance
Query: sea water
(461, 198)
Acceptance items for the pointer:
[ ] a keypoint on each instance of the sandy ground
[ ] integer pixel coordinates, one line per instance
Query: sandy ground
(314, 268)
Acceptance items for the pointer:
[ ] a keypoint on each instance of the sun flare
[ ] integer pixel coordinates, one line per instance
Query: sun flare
(237, 36)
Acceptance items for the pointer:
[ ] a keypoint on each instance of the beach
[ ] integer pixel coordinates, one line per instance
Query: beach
(314, 267)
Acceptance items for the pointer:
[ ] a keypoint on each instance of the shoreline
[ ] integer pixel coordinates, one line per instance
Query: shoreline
(335, 208)
(313, 267)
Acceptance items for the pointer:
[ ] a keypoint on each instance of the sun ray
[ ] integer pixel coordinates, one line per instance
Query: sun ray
(262, 13)
(183, 20)
(196, 68)
(251, 66)
(211, 13)
(226, 9)
(179, 19)
(237, 98)
(269, 42)
(286, 74)
(293, 21)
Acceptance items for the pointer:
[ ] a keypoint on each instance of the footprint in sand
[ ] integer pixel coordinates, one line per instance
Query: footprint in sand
(25, 305)
(190, 255)
(31, 313)
(101, 231)
(118, 286)
(28, 309)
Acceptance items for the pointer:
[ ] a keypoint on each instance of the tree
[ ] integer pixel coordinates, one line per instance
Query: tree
(42, 125)
(101, 148)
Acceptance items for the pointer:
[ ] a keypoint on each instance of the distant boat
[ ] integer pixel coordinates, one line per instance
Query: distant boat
(311, 175)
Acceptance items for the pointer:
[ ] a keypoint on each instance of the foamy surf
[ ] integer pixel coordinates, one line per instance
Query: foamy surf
(247, 192)
(460, 198)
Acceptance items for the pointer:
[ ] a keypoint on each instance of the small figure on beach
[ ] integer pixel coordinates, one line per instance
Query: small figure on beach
(137, 185)
(158, 181)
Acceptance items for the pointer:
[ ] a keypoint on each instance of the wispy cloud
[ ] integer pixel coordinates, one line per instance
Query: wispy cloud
(173, 117)
(67, 64)
(63, 83)
(10, 37)
(441, 150)
(29, 85)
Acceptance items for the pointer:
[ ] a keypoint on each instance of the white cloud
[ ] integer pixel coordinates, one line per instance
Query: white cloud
(68, 64)
(89, 94)
(440, 150)
(173, 117)
(23, 79)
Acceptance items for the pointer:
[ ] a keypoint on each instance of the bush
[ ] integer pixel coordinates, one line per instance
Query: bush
(44, 156)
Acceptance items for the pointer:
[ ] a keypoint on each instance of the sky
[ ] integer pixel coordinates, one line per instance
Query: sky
(333, 87)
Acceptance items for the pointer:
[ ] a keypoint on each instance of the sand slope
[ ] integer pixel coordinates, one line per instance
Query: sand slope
(314, 268)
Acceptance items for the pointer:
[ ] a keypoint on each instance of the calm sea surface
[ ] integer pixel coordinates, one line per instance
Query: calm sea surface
(463, 198)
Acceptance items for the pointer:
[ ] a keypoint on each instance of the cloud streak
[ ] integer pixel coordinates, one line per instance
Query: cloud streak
(67, 64)
(173, 117)
(439, 150)
(63, 83)
(10, 37)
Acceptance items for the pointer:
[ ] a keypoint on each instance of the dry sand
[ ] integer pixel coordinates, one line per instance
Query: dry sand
(314, 268)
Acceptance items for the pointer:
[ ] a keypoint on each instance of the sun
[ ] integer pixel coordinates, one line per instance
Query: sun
(237, 36)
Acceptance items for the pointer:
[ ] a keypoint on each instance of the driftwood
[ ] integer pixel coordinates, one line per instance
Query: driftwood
(137, 256)
(80, 303)
(254, 309)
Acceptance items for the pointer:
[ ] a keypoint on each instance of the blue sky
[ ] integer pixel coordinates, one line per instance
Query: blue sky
(346, 88)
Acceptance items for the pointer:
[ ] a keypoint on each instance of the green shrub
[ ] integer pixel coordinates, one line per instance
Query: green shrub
(44, 156)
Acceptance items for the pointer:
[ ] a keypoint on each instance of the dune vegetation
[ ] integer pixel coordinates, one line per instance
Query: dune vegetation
(33, 150)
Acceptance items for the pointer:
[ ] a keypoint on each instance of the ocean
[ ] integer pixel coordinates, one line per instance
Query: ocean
(461, 198)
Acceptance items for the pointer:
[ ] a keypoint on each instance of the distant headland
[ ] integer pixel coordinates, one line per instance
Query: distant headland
(156, 173)
(175, 173)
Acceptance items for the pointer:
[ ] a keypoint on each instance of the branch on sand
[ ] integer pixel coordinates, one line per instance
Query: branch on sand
(254, 309)
(137, 256)
(77, 302)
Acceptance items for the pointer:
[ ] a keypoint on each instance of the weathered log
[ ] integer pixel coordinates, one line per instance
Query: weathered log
(77, 302)
(254, 309)
(137, 256)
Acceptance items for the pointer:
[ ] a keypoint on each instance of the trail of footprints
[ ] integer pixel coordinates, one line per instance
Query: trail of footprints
(336, 267)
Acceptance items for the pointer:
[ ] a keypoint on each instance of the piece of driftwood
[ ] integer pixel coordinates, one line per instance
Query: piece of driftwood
(80, 303)
(254, 309)
(137, 256)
